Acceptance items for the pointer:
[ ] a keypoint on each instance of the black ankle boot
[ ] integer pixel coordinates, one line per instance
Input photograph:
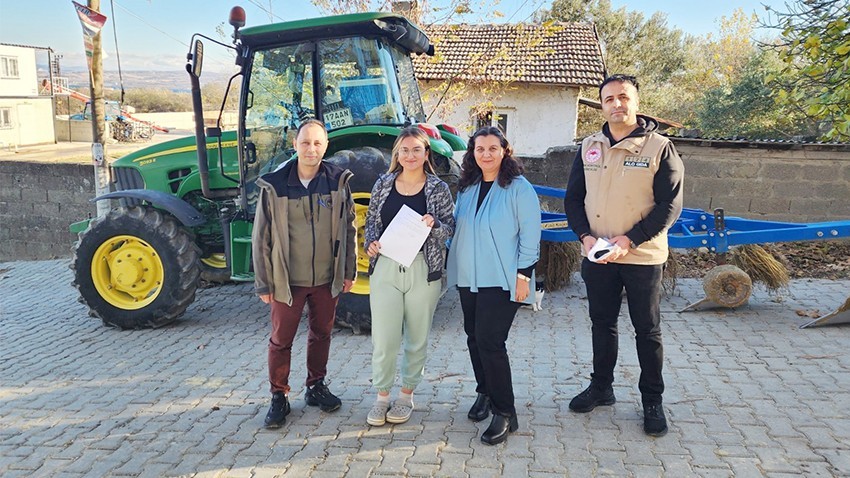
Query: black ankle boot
(480, 409)
(499, 428)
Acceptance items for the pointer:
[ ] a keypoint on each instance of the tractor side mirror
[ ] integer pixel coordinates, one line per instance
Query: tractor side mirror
(196, 58)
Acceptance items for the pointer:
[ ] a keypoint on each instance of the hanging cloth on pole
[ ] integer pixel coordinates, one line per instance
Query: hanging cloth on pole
(92, 22)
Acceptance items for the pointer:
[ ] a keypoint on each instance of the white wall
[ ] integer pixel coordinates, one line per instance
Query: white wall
(32, 122)
(31, 115)
(539, 117)
(27, 82)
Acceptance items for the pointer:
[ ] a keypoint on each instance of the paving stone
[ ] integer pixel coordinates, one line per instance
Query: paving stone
(746, 393)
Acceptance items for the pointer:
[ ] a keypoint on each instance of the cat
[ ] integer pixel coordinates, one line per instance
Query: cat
(539, 292)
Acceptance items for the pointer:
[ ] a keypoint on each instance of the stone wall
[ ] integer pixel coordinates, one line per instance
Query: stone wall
(38, 201)
(769, 181)
(772, 181)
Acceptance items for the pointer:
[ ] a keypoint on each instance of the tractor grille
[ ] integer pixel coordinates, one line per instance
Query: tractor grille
(128, 178)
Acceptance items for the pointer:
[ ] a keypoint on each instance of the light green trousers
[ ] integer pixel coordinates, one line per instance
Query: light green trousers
(403, 303)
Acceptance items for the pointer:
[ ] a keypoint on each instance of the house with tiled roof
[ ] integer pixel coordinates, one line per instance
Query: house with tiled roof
(524, 78)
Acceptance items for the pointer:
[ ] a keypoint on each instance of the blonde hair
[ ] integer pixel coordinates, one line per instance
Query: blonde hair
(411, 132)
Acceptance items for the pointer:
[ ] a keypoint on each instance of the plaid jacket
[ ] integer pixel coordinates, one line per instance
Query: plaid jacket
(438, 202)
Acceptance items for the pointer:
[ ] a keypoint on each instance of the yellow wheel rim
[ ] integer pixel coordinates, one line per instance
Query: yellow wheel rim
(361, 207)
(216, 260)
(127, 272)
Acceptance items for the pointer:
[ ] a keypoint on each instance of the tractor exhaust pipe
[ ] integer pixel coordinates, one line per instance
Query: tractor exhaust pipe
(195, 60)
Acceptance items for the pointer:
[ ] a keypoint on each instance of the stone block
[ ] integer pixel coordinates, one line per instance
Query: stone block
(738, 169)
(33, 196)
(793, 189)
(749, 188)
(697, 202)
(833, 190)
(50, 209)
(711, 187)
(770, 206)
(820, 170)
(811, 207)
(780, 171)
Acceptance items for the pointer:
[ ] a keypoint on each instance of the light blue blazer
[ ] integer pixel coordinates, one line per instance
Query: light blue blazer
(489, 246)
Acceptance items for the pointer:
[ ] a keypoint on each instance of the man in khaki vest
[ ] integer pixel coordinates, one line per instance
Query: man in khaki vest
(626, 187)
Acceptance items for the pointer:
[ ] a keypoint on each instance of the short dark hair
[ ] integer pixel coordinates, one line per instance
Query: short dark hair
(309, 122)
(619, 77)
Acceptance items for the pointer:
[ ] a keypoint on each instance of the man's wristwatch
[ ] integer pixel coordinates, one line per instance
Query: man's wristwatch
(519, 275)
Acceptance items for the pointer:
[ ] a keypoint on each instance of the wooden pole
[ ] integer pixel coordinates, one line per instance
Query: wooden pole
(99, 136)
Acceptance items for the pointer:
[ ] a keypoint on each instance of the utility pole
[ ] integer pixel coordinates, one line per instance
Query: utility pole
(101, 165)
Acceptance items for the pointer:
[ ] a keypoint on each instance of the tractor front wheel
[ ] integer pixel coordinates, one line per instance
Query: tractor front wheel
(136, 267)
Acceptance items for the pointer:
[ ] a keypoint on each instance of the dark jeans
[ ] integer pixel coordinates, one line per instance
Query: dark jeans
(487, 318)
(285, 319)
(605, 283)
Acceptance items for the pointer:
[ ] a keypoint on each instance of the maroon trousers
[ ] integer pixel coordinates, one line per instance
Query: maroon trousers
(320, 314)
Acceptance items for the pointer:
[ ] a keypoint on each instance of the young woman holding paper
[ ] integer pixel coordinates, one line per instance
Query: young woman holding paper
(492, 257)
(403, 298)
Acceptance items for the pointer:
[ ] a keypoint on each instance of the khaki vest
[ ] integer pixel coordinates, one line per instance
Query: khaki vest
(619, 190)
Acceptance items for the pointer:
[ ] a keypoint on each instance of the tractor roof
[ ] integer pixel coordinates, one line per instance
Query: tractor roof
(336, 26)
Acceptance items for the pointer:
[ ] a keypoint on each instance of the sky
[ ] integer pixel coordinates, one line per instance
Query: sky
(155, 34)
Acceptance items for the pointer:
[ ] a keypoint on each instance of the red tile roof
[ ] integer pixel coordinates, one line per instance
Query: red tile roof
(559, 54)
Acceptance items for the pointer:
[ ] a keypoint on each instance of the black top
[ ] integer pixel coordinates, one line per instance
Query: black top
(395, 200)
(482, 192)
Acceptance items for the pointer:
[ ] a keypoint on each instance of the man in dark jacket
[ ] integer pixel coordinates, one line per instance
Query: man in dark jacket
(626, 187)
(304, 253)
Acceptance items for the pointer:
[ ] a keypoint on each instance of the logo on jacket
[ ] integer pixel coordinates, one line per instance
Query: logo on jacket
(593, 155)
(637, 161)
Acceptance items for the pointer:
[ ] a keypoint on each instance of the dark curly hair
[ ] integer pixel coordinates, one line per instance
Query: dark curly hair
(470, 172)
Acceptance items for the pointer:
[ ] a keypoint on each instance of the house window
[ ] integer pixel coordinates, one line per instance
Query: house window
(5, 118)
(493, 118)
(9, 67)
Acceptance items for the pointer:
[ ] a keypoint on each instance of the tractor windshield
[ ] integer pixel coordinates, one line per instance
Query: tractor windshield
(361, 81)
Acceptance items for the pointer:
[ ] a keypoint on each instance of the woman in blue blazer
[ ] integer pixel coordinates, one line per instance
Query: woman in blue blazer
(491, 260)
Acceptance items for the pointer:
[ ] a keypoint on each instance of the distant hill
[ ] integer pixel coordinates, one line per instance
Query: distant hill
(177, 80)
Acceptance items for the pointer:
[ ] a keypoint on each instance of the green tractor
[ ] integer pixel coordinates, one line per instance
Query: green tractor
(186, 212)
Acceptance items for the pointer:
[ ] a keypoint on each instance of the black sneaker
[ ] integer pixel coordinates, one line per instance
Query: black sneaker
(591, 398)
(654, 421)
(319, 396)
(278, 411)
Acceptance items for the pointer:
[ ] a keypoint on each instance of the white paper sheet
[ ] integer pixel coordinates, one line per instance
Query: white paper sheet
(404, 236)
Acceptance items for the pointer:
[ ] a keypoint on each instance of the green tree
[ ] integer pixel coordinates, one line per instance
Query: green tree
(153, 100)
(712, 63)
(747, 107)
(815, 49)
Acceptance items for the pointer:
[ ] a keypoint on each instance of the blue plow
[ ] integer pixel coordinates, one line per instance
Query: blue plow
(716, 232)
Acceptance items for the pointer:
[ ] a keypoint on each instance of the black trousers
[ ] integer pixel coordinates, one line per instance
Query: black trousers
(487, 318)
(605, 283)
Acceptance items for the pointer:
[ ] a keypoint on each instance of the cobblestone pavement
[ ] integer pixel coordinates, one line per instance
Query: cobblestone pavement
(748, 393)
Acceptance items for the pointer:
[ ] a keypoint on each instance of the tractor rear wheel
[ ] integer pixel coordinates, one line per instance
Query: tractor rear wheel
(367, 164)
(136, 267)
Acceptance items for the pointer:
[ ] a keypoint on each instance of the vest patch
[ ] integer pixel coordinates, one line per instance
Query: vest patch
(637, 161)
(593, 155)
